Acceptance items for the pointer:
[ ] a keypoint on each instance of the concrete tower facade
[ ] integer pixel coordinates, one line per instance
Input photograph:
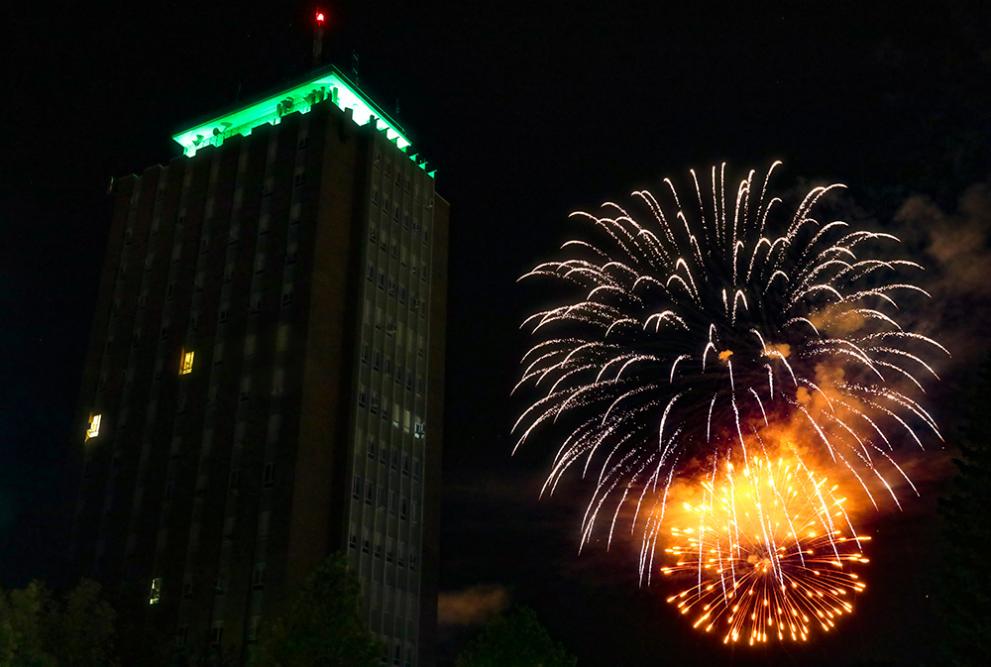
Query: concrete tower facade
(265, 380)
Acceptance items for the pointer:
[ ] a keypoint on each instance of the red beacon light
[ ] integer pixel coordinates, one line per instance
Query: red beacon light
(320, 18)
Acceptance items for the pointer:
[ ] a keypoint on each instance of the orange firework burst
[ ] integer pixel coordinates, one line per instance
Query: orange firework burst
(771, 548)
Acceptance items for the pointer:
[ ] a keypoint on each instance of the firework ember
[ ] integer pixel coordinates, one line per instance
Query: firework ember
(769, 548)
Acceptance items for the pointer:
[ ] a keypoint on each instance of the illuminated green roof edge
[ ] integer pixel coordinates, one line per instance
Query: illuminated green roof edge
(330, 83)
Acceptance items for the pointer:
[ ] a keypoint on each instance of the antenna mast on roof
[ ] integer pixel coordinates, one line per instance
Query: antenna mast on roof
(319, 21)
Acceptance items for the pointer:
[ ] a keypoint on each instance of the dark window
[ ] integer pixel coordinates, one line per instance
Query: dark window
(268, 478)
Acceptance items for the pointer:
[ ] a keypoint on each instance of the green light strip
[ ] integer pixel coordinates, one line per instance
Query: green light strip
(301, 98)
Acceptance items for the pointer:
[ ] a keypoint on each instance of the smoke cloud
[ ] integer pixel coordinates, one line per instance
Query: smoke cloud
(471, 606)
(957, 247)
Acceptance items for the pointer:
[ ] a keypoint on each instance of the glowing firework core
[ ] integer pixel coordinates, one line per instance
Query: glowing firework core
(770, 549)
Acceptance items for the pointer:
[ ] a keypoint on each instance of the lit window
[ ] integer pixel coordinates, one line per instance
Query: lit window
(186, 362)
(94, 427)
(155, 596)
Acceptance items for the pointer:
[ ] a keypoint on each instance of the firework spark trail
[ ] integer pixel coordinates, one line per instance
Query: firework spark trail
(772, 527)
(697, 323)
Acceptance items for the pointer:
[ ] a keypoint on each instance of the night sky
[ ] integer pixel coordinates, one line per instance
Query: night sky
(528, 111)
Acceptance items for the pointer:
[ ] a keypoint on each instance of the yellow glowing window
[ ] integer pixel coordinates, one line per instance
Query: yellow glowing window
(186, 362)
(155, 596)
(94, 427)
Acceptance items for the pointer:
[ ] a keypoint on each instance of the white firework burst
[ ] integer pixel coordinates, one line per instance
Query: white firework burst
(695, 322)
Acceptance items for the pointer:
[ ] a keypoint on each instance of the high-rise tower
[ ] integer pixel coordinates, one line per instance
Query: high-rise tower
(265, 380)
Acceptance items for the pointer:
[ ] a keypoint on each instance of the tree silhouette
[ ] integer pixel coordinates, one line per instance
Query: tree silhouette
(515, 639)
(965, 593)
(39, 630)
(23, 615)
(324, 626)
